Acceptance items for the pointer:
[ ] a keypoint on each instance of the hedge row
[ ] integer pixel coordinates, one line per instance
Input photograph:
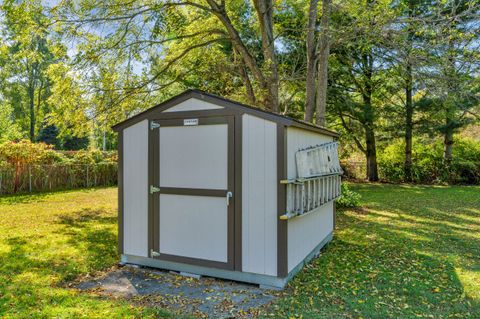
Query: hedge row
(29, 167)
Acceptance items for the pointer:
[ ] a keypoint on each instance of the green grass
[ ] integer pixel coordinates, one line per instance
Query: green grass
(47, 240)
(410, 252)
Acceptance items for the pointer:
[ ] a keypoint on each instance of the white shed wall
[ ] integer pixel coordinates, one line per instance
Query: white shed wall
(135, 189)
(259, 196)
(305, 232)
(297, 139)
(193, 105)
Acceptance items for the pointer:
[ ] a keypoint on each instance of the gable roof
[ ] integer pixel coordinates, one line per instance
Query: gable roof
(226, 103)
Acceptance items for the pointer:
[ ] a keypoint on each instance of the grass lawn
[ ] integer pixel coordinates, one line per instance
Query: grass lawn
(409, 252)
(47, 240)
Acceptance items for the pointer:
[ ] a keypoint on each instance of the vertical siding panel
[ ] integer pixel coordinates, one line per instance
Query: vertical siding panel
(259, 196)
(245, 193)
(135, 187)
(271, 194)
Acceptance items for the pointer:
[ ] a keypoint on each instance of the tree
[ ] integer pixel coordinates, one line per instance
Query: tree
(311, 44)
(406, 56)
(9, 130)
(190, 27)
(361, 77)
(318, 50)
(324, 51)
(455, 60)
(49, 135)
(26, 52)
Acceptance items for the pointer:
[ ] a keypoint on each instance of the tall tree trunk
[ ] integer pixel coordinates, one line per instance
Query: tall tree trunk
(448, 139)
(248, 84)
(408, 123)
(264, 10)
(368, 120)
(311, 62)
(450, 107)
(31, 107)
(104, 140)
(371, 155)
(324, 52)
(409, 97)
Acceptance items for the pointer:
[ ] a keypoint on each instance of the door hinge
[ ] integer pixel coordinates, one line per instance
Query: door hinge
(154, 253)
(154, 189)
(154, 125)
(229, 195)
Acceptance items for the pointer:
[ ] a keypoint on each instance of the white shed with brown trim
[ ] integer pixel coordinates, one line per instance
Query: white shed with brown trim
(213, 187)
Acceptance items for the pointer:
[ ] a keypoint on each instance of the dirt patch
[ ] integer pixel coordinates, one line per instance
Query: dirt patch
(204, 297)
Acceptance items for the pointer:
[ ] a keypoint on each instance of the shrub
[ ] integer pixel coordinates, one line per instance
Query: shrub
(428, 165)
(349, 198)
(19, 155)
(36, 166)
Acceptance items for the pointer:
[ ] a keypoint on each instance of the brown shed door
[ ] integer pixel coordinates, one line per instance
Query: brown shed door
(194, 211)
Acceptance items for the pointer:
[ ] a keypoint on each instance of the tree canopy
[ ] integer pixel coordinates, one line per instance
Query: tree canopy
(375, 70)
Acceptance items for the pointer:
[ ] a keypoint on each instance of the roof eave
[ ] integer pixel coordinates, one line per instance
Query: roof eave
(220, 101)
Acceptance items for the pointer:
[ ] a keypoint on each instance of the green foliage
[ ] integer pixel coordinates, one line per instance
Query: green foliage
(9, 130)
(27, 50)
(349, 198)
(24, 153)
(74, 143)
(84, 66)
(49, 135)
(20, 155)
(428, 163)
(92, 157)
(26, 166)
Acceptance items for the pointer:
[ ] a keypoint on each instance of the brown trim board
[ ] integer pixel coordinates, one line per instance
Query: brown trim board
(193, 191)
(195, 261)
(202, 120)
(231, 187)
(238, 162)
(120, 192)
(212, 119)
(151, 181)
(282, 225)
(155, 197)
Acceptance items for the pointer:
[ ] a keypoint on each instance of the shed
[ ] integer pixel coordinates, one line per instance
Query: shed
(213, 187)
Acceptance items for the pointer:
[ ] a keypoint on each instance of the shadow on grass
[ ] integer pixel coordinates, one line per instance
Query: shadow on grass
(89, 232)
(12, 199)
(92, 232)
(397, 257)
(33, 270)
(24, 198)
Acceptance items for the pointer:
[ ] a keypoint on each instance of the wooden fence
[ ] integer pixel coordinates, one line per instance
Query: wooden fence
(37, 178)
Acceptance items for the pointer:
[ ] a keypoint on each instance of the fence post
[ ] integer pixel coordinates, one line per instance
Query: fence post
(30, 178)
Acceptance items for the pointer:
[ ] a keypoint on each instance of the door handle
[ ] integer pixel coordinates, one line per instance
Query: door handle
(229, 195)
